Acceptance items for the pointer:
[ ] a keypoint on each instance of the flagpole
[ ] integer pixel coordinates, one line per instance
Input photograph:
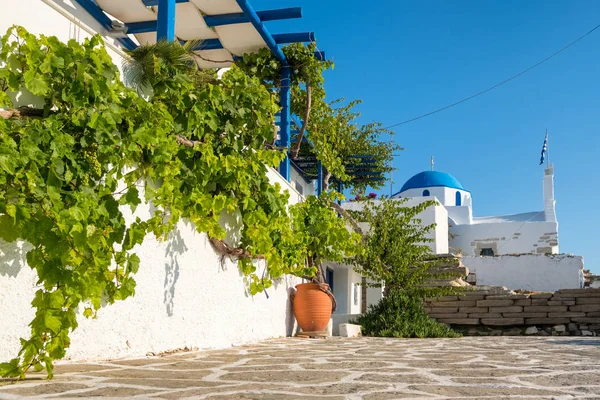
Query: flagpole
(547, 150)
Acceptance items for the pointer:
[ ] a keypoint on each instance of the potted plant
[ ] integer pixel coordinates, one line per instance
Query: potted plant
(323, 236)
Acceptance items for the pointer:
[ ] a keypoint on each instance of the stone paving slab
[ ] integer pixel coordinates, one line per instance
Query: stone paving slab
(339, 369)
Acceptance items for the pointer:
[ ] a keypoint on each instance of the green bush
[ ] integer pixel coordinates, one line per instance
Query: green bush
(401, 315)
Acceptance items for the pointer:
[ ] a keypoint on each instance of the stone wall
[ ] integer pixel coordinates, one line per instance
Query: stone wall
(497, 311)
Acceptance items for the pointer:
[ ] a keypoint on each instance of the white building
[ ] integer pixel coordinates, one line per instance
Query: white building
(531, 232)
(519, 251)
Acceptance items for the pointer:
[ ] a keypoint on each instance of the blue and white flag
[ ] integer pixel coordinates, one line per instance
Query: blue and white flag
(544, 149)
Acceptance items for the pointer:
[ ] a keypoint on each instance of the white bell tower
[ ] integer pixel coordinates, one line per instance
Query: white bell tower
(549, 202)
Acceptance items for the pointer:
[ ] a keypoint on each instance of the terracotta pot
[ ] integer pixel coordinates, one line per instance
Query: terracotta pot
(312, 307)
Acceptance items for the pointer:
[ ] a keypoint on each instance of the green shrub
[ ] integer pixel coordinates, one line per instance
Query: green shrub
(401, 315)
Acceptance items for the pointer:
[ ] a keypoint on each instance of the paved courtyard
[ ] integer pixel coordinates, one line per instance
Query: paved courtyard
(337, 369)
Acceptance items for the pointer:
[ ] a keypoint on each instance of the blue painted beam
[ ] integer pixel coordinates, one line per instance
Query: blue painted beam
(225, 19)
(150, 3)
(215, 44)
(319, 178)
(165, 24)
(284, 125)
(294, 37)
(320, 55)
(340, 189)
(262, 30)
(128, 43)
(96, 12)
(141, 27)
(99, 15)
(241, 18)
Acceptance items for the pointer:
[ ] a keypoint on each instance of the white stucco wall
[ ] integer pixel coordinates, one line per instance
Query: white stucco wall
(347, 288)
(446, 196)
(64, 19)
(528, 271)
(186, 296)
(506, 237)
(460, 215)
(435, 214)
(301, 185)
(374, 295)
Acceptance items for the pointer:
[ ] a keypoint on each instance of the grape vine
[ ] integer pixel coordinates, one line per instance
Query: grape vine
(196, 147)
(195, 150)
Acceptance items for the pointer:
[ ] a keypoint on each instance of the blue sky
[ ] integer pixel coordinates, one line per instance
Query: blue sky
(406, 58)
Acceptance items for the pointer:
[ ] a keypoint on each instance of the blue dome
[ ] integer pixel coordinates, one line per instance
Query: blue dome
(427, 179)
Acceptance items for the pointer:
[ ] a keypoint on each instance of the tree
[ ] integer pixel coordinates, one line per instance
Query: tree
(322, 234)
(333, 130)
(363, 154)
(396, 255)
(396, 252)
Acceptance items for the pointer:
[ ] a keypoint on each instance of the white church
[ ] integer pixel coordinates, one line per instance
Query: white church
(519, 251)
(530, 232)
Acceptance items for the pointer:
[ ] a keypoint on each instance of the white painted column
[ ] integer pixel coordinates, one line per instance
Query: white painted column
(549, 202)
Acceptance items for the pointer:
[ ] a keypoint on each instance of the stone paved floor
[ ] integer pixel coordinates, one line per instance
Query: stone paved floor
(337, 369)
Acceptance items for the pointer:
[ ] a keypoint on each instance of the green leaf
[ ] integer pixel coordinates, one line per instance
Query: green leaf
(10, 369)
(5, 100)
(133, 263)
(88, 312)
(52, 322)
(133, 198)
(35, 83)
(8, 230)
(11, 210)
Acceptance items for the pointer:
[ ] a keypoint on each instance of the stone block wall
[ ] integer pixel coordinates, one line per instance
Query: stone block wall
(497, 311)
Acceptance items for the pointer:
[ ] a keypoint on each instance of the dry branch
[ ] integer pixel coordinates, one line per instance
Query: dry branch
(226, 250)
(347, 216)
(296, 148)
(21, 112)
(187, 142)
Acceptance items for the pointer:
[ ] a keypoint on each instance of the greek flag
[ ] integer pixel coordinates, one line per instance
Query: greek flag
(544, 149)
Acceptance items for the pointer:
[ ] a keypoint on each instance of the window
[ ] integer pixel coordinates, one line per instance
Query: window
(425, 192)
(458, 199)
(299, 187)
(486, 252)
(329, 278)
(355, 294)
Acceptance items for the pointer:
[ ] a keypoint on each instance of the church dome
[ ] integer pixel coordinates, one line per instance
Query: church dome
(427, 179)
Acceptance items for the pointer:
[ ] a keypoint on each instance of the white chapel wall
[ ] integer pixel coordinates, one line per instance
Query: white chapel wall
(528, 271)
(506, 237)
(433, 215)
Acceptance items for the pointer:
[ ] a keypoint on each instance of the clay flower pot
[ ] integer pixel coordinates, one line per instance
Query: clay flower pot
(312, 307)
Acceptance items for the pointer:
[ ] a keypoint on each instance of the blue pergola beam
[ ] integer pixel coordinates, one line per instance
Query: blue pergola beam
(99, 15)
(165, 24)
(225, 19)
(150, 3)
(241, 18)
(284, 124)
(319, 178)
(263, 31)
(215, 44)
(294, 37)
